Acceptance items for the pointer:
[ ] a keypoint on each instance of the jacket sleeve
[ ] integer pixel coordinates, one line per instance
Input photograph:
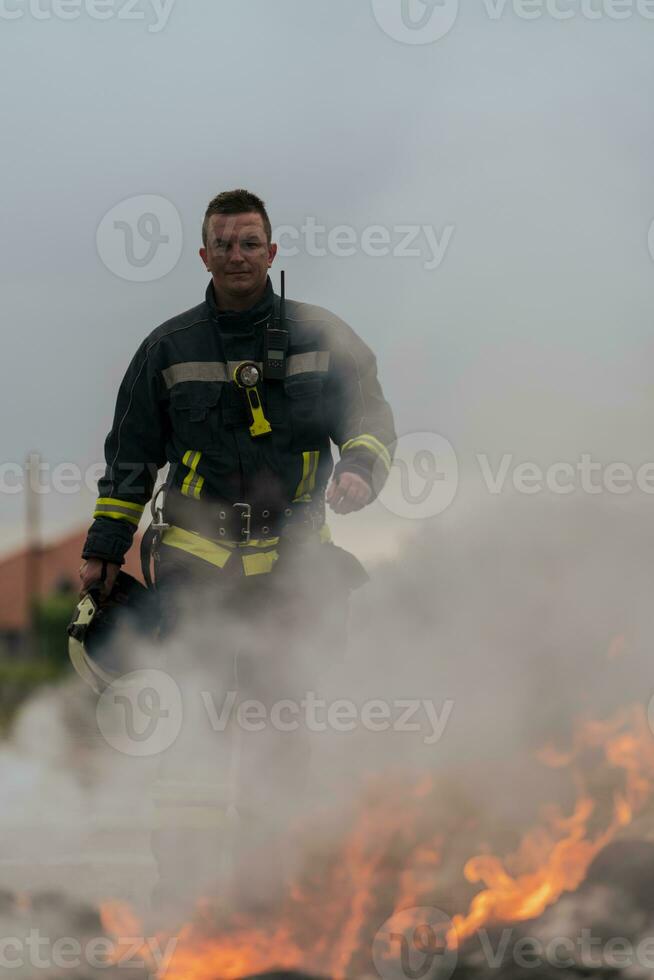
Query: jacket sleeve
(361, 420)
(134, 452)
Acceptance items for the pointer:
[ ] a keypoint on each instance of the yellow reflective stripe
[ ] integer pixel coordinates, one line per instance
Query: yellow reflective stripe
(305, 472)
(262, 563)
(194, 544)
(117, 515)
(139, 508)
(308, 482)
(325, 534)
(312, 474)
(118, 510)
(371, 443)
(259, 564)
(255, 563)
(193, 482)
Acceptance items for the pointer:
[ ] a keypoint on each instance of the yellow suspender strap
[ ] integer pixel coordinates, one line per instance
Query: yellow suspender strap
(193, 482)
(308, 482)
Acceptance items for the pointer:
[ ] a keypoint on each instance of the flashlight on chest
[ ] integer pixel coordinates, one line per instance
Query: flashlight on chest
(246, 378)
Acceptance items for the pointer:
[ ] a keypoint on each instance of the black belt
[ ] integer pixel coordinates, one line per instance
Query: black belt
(242, 521)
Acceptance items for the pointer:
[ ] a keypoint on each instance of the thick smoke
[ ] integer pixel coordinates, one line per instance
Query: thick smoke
(509, 620)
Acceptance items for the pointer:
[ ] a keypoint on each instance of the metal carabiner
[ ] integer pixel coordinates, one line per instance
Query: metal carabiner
(157, 511)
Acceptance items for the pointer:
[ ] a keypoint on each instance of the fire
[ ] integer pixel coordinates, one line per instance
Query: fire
(626, 743)
(403, 851)
(326, 919)
(119, 920)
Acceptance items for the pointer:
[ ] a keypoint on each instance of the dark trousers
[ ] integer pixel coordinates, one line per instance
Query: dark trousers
(266, 639)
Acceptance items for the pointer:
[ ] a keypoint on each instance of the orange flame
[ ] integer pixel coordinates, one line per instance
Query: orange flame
(627, 744)
(392, 859)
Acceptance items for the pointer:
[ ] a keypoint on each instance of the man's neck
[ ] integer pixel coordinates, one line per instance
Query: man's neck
(238, 304)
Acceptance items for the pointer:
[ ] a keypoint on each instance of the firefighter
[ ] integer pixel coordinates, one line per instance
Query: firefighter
(232, 496)
(242, 396)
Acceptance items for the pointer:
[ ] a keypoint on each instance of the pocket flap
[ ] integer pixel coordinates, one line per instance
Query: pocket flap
(193, 395)
(296, 387)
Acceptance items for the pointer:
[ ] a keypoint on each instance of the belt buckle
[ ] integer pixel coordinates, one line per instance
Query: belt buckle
(246, 516)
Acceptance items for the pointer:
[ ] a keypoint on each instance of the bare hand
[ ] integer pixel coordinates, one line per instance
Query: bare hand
(90, 573)
(348, 493)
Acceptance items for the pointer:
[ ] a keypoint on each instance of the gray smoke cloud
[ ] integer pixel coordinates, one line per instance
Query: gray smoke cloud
(502, 623)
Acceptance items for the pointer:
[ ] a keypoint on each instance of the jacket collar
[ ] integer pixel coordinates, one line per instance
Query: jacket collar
(232, 320)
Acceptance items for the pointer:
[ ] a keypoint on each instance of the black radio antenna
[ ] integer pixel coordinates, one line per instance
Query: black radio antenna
(282, 301)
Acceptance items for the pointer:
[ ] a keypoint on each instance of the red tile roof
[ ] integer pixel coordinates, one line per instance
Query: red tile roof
(58, 560)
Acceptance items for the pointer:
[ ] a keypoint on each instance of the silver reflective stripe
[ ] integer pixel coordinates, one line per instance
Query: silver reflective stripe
(195, 371)
(313, 360)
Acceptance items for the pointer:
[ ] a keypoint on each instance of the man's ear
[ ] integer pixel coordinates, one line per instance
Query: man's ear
(203, 255)
(272, 252)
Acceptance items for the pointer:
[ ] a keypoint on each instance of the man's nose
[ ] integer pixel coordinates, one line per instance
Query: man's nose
(236, 255)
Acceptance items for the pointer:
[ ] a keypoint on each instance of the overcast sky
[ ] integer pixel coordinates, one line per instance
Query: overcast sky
(513, 155)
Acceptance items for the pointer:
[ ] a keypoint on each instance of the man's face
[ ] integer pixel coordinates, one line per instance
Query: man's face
(238, 256)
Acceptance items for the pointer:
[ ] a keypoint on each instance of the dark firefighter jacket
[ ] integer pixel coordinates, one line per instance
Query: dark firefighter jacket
(177, 404)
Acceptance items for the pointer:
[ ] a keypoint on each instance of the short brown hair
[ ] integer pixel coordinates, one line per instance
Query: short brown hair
(239, 201)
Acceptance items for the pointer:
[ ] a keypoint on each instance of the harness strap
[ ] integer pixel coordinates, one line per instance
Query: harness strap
(257, 557)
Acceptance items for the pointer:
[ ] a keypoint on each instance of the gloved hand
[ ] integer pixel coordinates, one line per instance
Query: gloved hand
(94, 570)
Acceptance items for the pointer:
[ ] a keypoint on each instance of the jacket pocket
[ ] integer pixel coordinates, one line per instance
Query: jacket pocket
(194, 413)
(307, 412)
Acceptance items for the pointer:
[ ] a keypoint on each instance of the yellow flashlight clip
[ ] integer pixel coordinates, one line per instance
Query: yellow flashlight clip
(246, 377)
